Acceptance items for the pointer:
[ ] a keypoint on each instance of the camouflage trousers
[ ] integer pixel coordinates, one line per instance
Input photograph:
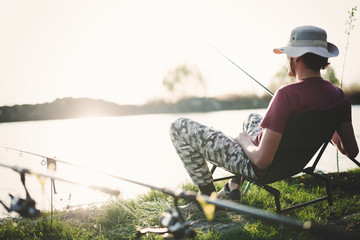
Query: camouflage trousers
(195, 143)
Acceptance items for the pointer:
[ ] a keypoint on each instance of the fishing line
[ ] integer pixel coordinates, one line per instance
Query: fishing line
(53, 176)
(182, 226)
(82, 167)
(231, 61)
(49, 159)
(27, 207)
(235, 64)
(222, 54)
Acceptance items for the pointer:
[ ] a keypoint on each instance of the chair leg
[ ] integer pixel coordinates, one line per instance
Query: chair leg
(275, 193)
(222, 178)
(329, 195)
(213, 169)
(355, 161)
(277, 203)
(328, 189)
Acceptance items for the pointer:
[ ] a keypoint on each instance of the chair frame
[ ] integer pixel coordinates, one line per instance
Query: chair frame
(277, 171)
(276, 193)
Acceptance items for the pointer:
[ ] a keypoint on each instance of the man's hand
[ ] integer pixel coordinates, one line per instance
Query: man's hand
(345, 140)
(263, 154)
(242, 138)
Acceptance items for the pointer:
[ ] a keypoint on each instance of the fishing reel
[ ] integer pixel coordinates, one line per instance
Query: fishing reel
(25, 207)
(173, 226)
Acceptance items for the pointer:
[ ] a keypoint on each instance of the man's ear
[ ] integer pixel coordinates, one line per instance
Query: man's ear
(298, 59)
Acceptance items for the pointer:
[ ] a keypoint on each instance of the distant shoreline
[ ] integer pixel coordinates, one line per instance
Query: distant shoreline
(69, 108)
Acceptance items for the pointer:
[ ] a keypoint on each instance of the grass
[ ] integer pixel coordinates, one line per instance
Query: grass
(119, 219)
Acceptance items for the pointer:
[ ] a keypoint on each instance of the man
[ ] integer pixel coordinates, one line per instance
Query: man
(253, 150)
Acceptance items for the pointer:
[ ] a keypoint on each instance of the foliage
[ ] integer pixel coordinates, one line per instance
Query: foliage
(331, 76)
(350, 24)
(42, 228)
(119, 219)
(280, 79)
(184, 81)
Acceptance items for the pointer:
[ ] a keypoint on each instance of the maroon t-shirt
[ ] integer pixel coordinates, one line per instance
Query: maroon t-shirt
(311, 94)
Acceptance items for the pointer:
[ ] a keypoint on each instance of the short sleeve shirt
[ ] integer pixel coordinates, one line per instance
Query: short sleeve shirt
(311, 94)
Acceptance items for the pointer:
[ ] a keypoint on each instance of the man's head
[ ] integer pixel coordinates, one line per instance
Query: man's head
(310, 45)
(308, 39)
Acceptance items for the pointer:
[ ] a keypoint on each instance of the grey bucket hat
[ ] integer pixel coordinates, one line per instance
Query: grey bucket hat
(308, 39)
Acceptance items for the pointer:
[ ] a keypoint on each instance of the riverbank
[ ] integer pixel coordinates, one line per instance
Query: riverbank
(69, 108)
(120, 219)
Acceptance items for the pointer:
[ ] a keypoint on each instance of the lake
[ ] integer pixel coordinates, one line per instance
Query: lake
(133, 147)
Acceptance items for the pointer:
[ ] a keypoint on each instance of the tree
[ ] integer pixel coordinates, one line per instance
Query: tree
(280, 79)
(330, 76)
(183, 81)
(350, 24)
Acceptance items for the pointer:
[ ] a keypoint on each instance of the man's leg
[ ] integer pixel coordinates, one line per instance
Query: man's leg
(251, 125)
(195, 142)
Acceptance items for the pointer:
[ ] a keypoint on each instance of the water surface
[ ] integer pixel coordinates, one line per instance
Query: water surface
(134, 147)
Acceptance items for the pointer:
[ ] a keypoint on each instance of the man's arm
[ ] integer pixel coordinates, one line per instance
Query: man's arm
(344, 139)
(263, 154)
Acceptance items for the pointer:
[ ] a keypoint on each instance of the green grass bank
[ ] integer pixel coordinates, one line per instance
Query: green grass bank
(120, 219)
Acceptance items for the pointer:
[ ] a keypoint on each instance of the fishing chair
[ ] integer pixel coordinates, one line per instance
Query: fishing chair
(304, 135)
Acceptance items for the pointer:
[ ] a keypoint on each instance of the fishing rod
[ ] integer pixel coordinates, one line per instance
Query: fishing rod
(26, 207)
(173, 222)
(52, 159)
(88, 169)
(174, 219)
(53, 176)
(230, 60)
(236, 65)
(46, 159)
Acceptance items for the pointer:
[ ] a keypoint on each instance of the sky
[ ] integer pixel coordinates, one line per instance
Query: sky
(120, 51)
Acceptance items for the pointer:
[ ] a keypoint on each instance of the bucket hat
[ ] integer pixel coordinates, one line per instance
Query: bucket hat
(308, 39)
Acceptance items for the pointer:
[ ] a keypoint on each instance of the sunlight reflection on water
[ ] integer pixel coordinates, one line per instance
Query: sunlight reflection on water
(133, 147)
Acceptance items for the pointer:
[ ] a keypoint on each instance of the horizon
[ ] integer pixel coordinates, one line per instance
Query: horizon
(120, 51)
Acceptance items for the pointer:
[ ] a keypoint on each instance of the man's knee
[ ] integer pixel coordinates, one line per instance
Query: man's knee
(254, 117)
(177, 124)
(252, 120)
(175, 127)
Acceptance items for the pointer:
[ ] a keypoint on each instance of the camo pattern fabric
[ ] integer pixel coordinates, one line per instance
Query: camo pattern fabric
(195, 143)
